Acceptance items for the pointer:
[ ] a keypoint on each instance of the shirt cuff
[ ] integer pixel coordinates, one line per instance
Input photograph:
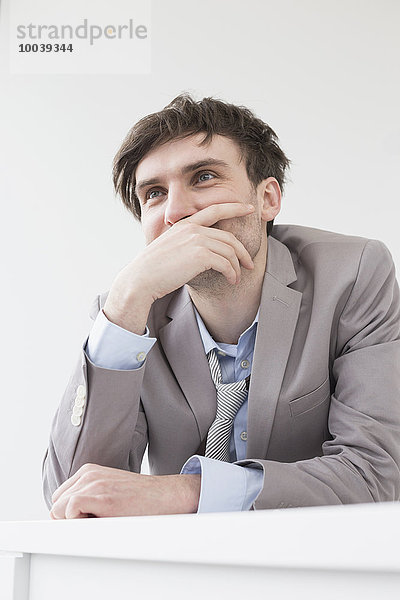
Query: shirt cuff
(112, 347)
(225, 486)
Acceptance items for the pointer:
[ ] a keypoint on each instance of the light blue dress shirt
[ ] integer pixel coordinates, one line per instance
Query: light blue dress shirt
(224, 486)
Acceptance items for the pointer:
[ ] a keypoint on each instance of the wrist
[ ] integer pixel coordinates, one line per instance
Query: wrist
(128, 315)
(191, 492)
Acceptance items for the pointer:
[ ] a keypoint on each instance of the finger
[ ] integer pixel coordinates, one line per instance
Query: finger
(81, 487)
(59, 508)
(228, 238)
(218, 248)
(88, 467)
(85, 506)
(65, 486)
(222, 265)
(69, 507)
(81, 506)
(216, 212)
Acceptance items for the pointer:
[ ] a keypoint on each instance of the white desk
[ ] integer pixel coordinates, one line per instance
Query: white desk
(344, 552)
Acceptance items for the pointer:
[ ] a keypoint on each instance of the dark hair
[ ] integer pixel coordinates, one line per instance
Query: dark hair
(184, 116)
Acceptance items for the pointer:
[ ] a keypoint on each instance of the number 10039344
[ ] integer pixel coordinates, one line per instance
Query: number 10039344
(45, 48)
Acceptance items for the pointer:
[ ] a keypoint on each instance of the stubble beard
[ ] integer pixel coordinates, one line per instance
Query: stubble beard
(211, 283)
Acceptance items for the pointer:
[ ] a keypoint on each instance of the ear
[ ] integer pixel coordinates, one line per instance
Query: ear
(269, 193)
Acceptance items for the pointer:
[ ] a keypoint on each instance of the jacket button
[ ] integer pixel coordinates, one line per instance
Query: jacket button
(80, 401)
(75, 420)
(80, 391)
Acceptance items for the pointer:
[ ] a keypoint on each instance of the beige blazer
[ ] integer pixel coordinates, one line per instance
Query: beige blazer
(324, 397)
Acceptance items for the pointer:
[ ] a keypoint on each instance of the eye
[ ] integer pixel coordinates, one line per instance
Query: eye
(205, 176)
(149, 194)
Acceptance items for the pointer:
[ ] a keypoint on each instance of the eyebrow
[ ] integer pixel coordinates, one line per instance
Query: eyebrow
(189, 168)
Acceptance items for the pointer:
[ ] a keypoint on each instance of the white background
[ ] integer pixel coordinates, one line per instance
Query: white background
(322, 73)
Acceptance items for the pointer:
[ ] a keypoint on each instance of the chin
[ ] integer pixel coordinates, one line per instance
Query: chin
(210, 283)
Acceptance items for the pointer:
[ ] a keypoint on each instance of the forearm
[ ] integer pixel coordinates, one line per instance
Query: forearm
(106, 492)
(110, 426)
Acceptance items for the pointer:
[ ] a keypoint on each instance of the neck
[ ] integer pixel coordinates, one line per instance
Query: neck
(228, 315)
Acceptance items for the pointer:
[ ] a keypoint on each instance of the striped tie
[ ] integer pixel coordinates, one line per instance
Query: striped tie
(230, 397)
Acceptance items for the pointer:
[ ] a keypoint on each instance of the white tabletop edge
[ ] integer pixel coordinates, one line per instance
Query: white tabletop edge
(350, 537)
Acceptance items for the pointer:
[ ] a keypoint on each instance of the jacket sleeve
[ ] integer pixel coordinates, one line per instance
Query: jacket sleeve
(112, 429)
(361, 463)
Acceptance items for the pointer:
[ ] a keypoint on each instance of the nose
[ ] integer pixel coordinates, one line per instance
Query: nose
(180, 204)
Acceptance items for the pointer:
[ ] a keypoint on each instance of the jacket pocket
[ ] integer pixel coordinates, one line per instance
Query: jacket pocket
(300, 405)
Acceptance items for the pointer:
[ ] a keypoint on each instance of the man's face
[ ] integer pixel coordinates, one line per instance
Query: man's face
(181, 177)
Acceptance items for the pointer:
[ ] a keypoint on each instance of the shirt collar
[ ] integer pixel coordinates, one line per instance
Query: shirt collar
(208, 342)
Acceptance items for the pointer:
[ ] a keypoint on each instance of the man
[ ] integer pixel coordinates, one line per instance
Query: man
(261, 368)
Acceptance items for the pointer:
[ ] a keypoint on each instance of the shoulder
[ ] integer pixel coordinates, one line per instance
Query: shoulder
(298, 237)
(329, 255)
(309, 242)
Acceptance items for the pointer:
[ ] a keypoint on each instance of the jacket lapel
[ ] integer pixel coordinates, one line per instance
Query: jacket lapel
(182, 344)
(279, 311)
